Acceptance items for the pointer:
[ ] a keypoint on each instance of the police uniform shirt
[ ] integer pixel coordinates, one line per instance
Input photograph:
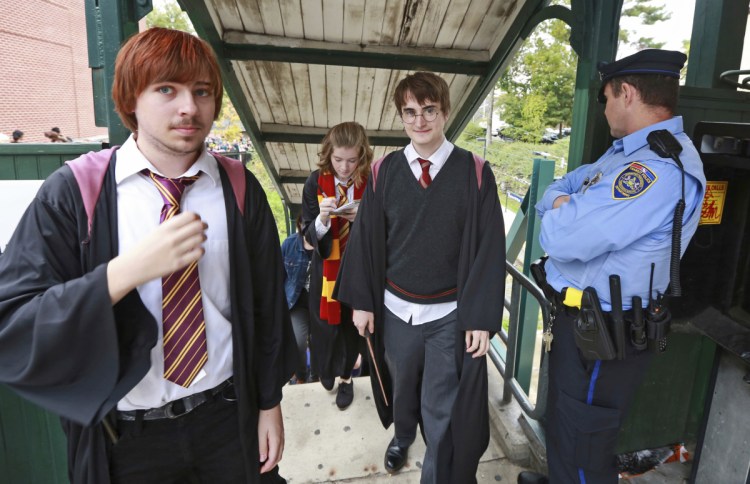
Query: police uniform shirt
(619, 217)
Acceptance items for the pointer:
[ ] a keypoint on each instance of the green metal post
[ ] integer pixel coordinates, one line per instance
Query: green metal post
(714, 46)
(516, 237)
(541, 176)
(594, 38)
(108, 24)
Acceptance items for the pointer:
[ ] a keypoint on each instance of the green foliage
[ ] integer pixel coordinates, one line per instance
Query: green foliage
(533, 115)
(473, 131)
(512, 162)
(228, 124)
(169, 15)
(647, 15)
(274, 199)
(539, 84)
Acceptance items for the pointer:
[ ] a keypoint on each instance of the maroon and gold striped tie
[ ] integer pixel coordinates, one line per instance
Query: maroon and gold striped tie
(344, 224)
(183, 325)
(425, 179)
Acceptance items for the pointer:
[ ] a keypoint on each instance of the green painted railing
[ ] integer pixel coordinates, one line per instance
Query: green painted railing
(36, 161)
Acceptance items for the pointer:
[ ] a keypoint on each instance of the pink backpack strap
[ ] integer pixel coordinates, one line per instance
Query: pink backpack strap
(236, 171)
(375, 169)
(479, 166)
(89, 171)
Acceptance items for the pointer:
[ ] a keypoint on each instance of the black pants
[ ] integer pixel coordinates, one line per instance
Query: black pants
(300, 314)
(587, 403)
(202, 446)
(422, 364)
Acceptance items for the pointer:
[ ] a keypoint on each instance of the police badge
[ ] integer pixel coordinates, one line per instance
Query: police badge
(633, 181)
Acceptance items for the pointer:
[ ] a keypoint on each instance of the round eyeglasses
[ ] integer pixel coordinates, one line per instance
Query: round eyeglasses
(408, 116)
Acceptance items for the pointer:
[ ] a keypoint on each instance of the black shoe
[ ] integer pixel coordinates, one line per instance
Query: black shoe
(395, 456)
(327, 383)
(528, 477)
(345, 395)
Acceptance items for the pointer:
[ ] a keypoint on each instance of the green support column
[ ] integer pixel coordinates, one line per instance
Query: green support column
(108, 24)
(594, 38)
(541, 176)
(714, 46)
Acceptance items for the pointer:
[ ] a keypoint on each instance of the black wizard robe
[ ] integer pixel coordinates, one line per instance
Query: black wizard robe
(481, 291)
(333, 348)
(64, 347)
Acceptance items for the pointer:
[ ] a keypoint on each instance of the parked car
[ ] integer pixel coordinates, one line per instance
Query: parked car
(549, 138)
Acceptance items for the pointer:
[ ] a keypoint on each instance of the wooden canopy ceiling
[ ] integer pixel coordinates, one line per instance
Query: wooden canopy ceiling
(295, 68)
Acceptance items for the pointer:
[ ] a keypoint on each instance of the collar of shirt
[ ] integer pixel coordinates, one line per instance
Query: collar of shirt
(130, 161)
(339, 181)
(349, 191)
(438, 158)
(635, 141)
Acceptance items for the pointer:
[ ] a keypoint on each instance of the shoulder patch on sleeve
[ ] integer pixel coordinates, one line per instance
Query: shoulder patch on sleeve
(633, 181)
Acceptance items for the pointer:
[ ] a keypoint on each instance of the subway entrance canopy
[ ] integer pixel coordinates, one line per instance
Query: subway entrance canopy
(293, 69)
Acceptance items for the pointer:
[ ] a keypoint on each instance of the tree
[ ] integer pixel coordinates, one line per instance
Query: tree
(542, 75)
(545, 66)
(169, 15)
(647, 15)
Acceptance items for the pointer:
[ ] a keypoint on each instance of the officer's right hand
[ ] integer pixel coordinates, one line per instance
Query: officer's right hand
(173, 245)
(363, 320)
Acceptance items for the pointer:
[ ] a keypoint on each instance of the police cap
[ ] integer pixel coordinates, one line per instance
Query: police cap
(647, 61)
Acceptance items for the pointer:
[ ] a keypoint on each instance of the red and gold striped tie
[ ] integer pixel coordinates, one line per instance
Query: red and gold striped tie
(344, 224)
(425, 179)
(183, 325)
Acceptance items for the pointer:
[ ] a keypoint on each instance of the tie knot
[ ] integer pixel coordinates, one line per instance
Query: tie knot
(171, 189)
(425, 179)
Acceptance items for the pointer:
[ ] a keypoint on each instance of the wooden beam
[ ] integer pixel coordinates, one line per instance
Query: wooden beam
(201, 18)
(281, 133)
(246, 46)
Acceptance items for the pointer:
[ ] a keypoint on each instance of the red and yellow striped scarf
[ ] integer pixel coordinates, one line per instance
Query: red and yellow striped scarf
(330, 309)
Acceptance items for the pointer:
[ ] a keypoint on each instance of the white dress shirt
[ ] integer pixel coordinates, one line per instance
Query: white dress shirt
(406, 310)
(138, 209)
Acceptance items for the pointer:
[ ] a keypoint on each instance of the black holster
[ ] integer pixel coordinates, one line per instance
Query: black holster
(592, 335)
(540, 277)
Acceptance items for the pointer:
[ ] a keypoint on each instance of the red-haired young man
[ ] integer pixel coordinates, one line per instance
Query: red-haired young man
(155, 324)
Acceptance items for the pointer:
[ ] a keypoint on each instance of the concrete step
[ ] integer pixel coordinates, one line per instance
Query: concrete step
(325, 444)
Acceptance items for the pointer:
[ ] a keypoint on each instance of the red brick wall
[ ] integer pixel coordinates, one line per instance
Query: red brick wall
(45, 79)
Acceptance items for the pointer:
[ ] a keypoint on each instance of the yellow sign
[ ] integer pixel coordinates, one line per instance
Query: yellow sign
(713, 202)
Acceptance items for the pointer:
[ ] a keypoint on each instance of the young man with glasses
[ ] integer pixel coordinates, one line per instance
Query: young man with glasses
(424, 272)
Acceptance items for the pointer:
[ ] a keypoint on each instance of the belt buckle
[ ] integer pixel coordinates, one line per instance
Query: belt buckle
(169, 409)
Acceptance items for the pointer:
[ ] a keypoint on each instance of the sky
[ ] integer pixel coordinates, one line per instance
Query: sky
(672, 31)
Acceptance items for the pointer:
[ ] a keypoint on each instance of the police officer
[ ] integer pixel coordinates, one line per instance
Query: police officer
(612, 217)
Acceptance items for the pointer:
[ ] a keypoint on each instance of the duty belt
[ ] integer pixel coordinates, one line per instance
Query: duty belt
(569, 300)
(183, 406)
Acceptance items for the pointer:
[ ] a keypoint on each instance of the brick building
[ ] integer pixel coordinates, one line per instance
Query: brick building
(45, 79)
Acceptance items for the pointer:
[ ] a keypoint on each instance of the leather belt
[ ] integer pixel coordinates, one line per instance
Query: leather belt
(177, 408)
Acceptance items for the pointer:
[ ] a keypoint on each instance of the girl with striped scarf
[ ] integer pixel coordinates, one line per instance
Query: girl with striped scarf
(344, 166)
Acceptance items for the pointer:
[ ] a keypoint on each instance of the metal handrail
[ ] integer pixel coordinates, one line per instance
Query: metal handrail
(511, 386)
(745, 84)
